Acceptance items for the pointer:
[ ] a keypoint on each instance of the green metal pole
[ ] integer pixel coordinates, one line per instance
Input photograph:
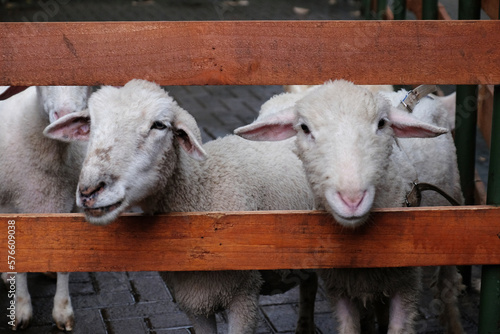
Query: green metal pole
(366, 9)
(429, 9)
(465, 138)
(381, 7)
(469, 9)
(489, 310)
(465, 127)
(399, 9)
(493, 192)
(466, 115)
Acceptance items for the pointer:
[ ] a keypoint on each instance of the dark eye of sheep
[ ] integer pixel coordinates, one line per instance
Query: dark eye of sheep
(381, 123)
(305, 129)
(158, 125)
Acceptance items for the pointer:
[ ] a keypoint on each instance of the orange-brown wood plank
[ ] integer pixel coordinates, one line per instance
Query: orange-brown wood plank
(485, 111)
(491, 8)
(253, 240)
(250, 52)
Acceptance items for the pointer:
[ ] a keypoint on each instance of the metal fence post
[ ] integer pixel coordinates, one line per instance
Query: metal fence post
(399, 9)
(381, 8)
(366, 9)
(429, 9)
(465, 126)
(489, 311)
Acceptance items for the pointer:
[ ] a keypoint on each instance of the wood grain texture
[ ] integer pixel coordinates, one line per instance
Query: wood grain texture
(250, 52)
(491, 8)
(485, 111)
(255, 240)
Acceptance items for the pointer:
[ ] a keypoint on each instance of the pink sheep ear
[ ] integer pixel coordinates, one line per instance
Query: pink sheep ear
(187, 140)
(405, 125)
(72, 127)
(11, 91)
(275, 127)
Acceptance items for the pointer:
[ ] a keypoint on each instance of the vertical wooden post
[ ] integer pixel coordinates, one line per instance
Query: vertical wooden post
(489, 311)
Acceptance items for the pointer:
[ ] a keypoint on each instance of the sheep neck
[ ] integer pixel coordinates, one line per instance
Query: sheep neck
(181, 185)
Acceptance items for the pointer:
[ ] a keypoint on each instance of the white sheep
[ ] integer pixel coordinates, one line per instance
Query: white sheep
(39, 175)
(360, 152)
(145, 150)
(305, 88)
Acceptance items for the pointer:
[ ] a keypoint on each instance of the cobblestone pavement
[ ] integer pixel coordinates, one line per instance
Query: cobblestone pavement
(139, 302)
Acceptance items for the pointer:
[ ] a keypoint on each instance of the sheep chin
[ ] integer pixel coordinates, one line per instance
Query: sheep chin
(104, 215)
(350, 222)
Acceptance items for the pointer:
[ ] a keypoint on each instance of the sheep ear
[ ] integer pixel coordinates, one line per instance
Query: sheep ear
(275, 127)
(405, 125)
(188, 141)
(72, 127)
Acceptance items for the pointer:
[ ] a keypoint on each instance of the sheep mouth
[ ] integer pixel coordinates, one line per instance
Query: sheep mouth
(99, 212)
(352, 221)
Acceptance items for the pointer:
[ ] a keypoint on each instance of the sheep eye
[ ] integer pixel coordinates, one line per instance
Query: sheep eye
(305, 129)
(381, 123)
(158, 125)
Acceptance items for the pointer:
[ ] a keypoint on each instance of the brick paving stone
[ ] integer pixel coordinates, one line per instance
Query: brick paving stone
(128, 325)
(282, 316)
(90, 321)
(174, 331)
(147, 289)
(103, 299)
(175, 319)
(112, 281)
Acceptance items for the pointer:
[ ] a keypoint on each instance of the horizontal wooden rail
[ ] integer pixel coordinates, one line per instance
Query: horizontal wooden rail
(253, 240)
(250, 52)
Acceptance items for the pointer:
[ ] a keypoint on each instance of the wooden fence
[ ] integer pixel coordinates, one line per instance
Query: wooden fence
(252, 53)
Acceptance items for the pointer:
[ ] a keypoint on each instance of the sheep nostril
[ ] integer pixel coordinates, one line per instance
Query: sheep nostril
(88, 192)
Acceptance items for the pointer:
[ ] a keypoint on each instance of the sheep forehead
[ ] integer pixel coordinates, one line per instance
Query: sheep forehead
(130, 107)
(338, 105)
(57, 97)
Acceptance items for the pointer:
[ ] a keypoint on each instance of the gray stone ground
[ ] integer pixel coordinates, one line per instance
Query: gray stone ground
(139, 302)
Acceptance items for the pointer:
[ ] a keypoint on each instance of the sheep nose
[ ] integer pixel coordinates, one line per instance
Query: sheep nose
(353, 200)
(88, 194)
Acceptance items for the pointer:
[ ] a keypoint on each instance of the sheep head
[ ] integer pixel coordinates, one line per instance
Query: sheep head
(133, 134)
(345, 136)
(58, 101)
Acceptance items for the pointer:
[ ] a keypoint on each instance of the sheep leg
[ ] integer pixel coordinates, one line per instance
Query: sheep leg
(63, 311)
(243, 314)
(348, 316)
(204, 325)
(308, 289)
(24, 309)
(402, 315)
(449, 287)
